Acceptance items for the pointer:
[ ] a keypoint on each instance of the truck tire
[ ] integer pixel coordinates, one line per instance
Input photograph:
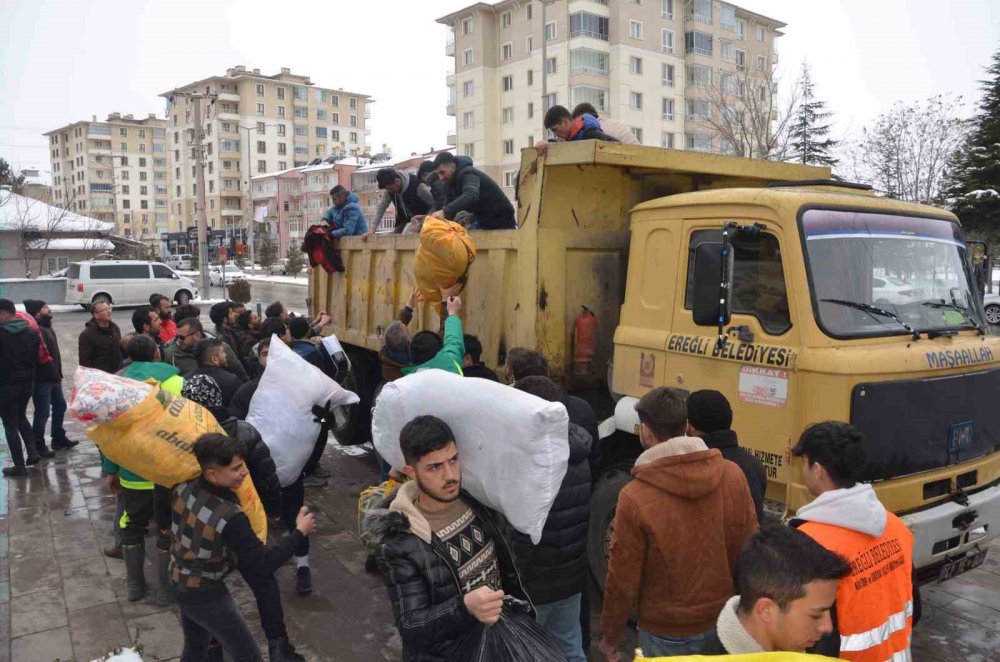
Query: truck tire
(352, 423)
(602, 518)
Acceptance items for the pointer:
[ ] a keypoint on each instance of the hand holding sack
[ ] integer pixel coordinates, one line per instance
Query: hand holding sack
(513, 446)
(151, 432)
(282, 408)
(516, 637)
(443, 258)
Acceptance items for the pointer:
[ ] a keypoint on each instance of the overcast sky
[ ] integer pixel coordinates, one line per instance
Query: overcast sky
(63, 61)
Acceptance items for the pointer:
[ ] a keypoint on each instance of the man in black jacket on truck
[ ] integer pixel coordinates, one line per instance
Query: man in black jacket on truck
(473, 194)
(443, 555)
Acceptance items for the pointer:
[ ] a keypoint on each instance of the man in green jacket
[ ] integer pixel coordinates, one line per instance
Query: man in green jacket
(142, 499)
(427, 351)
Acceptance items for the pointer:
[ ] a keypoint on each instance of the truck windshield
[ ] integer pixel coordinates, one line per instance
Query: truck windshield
(916, 269)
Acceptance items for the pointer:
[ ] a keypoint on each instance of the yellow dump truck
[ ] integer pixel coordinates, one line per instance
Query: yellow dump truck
(800, 298)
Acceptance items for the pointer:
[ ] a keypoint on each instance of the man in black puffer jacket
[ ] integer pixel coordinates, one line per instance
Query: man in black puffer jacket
(440, 588)
(204, 391)
(555, 570)
(474, 194)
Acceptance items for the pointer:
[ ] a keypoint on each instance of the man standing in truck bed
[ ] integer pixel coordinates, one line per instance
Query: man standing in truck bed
(473, 194)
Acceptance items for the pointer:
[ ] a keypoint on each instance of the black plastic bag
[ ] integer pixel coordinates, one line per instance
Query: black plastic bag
(516, 637)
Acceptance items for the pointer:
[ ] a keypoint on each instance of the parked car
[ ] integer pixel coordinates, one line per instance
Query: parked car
(181, 261)
(991, 302)
(215, 274)
(887, 289)
(280, 267)
(125, 282)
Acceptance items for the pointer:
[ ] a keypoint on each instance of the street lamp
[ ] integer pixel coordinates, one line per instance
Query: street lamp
(250, 219)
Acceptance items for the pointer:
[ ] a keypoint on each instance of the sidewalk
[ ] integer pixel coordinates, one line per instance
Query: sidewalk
(61, 598)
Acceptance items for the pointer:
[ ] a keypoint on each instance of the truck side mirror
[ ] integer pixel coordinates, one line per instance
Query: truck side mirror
(713, 268)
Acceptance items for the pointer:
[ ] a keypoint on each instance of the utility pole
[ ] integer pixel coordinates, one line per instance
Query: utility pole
(545, 51)
(199, 155)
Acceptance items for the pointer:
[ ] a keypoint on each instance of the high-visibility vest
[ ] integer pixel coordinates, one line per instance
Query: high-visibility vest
(875, 601)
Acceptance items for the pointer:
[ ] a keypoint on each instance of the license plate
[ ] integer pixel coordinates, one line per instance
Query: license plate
(971, 560)
(960, 437)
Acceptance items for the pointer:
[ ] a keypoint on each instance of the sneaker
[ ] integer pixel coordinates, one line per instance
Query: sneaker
(320, 472)
(313, 481)
(15, 471)
(303, 581)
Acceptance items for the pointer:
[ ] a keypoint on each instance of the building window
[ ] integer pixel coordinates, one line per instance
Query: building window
(467, 57)
(469, 119)
(595, 96)
(282, 149)
(301, 112)
(700, 10)
(334, 134)
(760, 33)
(699, 43)
(699, 142)
(761, 63)
(281, 129)
(635, 29)
(531, 77)
(667, 9)
(281, 111)
(667, 140)
(469, 149)
(260, 128)
(508, 115)
(588, 61)
(352, 103)
(637, 132)
(281, 93)
(354, 137)
(123, 132)
(353, 120)
(727, 50)
(741, 59)
(467, 26)
(300, 130)
(321, 114)
(262, 166)
(334, 101)
(528, 10)
(550, 31)
(260, 89)
(124, 147)
(506, 51)
(668, 109)
(510, 177)
(335, 118)
(730, 84)
(508, 147)
(697, 109)
(550, 66)
(635, 64)
(585, 24)
(321, 132)
(507, 83)
(261, 147)
(635, 100)
(667, 74)
(530, 44)
(668, 41)
(126, 204)
(283, 165)
(531, 110)
(125, 190)
(550, 100)
(699, 75)
(505, 20)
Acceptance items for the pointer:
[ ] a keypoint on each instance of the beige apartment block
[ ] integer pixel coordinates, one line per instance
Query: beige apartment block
(257, 123)
(646, 63)
(116, 171)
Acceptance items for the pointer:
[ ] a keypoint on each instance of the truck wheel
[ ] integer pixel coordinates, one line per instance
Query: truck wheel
(602, 519)
(352, 423)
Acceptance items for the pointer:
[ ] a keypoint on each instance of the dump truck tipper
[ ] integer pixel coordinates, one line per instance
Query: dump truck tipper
(800, 298)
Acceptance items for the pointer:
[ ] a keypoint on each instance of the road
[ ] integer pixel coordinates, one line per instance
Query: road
(265, 292)
(67, 601)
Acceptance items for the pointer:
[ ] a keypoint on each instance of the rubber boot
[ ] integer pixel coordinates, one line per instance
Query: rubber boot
(135, 557)
(163, 593)
(281, 650)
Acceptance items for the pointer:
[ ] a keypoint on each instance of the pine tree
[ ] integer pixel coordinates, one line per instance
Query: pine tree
(296, 260)
(973, 191)
(267, 252)
(810, 142)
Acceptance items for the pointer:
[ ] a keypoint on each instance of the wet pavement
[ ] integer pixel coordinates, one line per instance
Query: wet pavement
(60, 598)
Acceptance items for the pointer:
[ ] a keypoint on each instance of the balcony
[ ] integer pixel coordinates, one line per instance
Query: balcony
(231, 193)
(232, 212)
(450, 109)
(229, 95)
(449, 79)
(228, 116)
(449, 48)
(452, 139)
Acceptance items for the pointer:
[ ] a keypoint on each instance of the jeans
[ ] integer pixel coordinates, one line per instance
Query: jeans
(293, 497)
(655, 645)
(561, 619)
(49, 395)
(201, 621)
(272, 614)
(14, 413)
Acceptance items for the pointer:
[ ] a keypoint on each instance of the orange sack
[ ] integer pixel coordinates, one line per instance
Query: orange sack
(443, 258)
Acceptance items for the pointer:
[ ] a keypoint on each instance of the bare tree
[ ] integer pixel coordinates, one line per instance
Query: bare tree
(905, 153)
(748, 116)
(37, 224)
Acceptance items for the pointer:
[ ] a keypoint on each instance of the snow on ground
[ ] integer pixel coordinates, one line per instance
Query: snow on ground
(290, 280)
(57, 307)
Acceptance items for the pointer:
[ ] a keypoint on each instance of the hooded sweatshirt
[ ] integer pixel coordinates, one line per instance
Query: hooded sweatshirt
(18, 352)
(452, 350)
(346, 220)
(679, 529)
(856, 508)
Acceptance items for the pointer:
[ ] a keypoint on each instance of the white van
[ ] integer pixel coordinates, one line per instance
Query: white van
(181, 261)
(125, 283)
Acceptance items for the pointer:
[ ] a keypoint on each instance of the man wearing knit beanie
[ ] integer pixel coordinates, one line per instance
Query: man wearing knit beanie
(48, 394)
(711, 418)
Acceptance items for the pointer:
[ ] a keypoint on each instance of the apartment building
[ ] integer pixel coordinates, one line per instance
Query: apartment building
(647, 63)
(115, 171)
(289, 201)
(255, 124)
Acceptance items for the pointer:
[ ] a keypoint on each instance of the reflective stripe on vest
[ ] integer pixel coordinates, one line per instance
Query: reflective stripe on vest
(135, 484)
(877, 635)
(901, 656)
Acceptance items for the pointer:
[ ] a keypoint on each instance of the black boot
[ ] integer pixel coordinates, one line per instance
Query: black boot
(303, 581)
(135, 558)
(163, 595)
(281, 650)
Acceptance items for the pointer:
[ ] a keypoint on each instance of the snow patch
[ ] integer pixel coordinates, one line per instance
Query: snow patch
(982, 193)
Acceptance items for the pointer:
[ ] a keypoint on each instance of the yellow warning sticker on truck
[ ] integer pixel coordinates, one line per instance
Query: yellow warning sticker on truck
(763, 386)
(765, 355)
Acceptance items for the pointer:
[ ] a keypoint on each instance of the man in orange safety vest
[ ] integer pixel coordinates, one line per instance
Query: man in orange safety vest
(877, 603)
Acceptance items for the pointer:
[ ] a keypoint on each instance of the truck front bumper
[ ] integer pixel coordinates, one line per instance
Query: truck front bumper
(950, 530)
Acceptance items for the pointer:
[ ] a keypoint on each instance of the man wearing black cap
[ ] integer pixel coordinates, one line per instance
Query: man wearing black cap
(48, 394)
(710, 417)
